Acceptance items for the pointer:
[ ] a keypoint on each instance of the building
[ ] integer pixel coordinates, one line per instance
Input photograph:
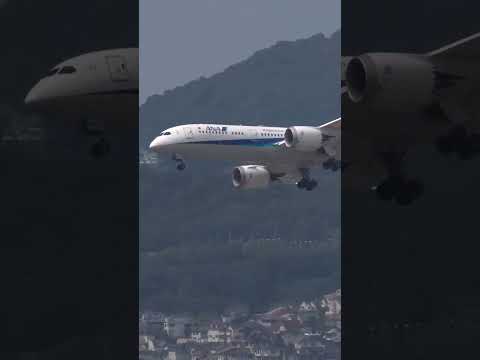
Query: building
(332, 305)
(231, 353)
(219, 333)
(146, 343)
(178, 326)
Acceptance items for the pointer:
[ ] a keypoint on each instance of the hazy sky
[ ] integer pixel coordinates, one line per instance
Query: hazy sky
(181, 40)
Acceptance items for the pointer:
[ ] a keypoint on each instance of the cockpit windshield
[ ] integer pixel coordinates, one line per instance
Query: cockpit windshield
(165, 133)
(52, 72)
(67, 70)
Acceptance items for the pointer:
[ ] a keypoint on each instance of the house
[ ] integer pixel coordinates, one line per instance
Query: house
(279, 313)
(199, 337)
(219, 333)
(307, 307)
(178, 353)
(231, 353)
(308, 312)
(152, 323)
(332, 351)
(332, 305)
(146, 343)
(313, 341)
(333, 335)
(264, 351)
(178, 326)
(310, 354)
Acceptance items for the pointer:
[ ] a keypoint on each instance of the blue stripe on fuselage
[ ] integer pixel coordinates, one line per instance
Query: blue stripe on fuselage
(244, 142)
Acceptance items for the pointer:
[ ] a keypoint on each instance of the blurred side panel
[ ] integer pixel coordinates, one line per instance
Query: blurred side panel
(410, 125)
(69, 189)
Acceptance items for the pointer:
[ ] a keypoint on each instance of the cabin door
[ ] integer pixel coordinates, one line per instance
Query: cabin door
(117, 65)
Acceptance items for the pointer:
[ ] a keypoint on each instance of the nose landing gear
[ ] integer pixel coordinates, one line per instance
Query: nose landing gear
(96, 130)
(181, 165)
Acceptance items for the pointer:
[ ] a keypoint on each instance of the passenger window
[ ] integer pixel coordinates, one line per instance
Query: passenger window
(67, 70)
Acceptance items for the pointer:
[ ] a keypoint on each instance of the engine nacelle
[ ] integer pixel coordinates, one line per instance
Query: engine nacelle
(303, 138)
(251, 177)
(391, 81)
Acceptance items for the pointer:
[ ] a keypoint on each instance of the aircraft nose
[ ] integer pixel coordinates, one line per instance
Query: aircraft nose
(156, 143)
(43, 95)
(31, 98)
(36, 96)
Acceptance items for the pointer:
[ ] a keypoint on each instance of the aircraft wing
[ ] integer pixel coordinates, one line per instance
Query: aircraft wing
(332, 138)
(468, 47)
(461, 59)
(332, 127)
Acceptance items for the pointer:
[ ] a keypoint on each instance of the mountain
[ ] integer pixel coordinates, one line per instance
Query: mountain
(198, 212)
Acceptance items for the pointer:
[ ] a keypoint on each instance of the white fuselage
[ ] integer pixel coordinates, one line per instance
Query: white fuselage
(97, 85)
(245, 144)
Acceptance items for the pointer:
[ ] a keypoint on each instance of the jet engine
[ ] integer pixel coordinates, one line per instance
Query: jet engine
(397, 82)
(251, 177)
(303, 138)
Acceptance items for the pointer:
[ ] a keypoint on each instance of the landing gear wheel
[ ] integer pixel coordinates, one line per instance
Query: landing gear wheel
(404, 197)
(410, 191)
(312, 184)
(306, 184)
(100, 148)
(388, 188)
(403, 191)
(331, 164)
(181, 166)
(302, 184)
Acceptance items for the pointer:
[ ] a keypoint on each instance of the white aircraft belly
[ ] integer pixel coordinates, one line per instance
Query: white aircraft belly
(225, 152)
(279, 156)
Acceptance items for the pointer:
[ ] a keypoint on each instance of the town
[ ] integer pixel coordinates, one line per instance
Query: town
(309, 330)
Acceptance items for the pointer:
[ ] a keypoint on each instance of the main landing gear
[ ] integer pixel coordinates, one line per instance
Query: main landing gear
(396, 186)
(459, 141)
(307, 182)
(403, 191)
(332, 164)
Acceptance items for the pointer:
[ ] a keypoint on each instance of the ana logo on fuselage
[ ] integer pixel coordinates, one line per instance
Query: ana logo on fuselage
(217, 128)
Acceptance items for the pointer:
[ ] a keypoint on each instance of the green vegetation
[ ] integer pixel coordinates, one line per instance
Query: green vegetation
(211, 276)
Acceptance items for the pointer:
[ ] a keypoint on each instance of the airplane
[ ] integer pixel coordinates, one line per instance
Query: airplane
(98, 90)
(267, 154)
(395, 102)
